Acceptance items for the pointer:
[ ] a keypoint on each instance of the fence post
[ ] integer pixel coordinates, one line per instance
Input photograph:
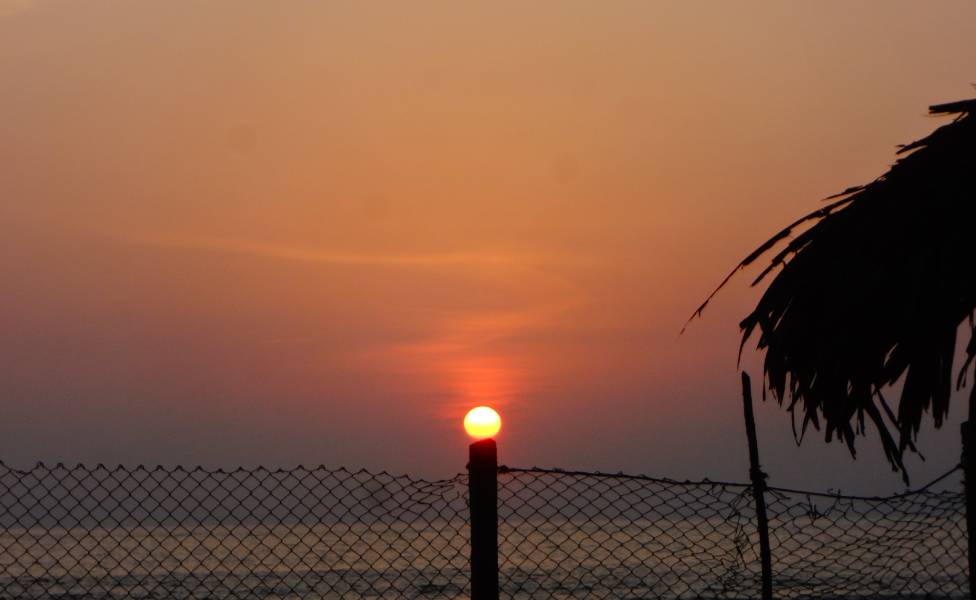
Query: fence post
(758, 489)
(483, 492)
(969, 485)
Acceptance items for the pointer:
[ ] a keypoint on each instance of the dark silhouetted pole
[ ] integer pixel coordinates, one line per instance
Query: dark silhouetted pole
(483, 492)
(758, 490)
(969, 482)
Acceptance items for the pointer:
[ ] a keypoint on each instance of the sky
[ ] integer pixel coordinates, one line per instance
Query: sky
(240, 232)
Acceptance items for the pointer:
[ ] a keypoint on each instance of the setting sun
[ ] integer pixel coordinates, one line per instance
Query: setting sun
(482, 422)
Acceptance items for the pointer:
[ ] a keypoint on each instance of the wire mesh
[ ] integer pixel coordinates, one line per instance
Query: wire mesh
(590, 535)
(77, 532)
(905, 546)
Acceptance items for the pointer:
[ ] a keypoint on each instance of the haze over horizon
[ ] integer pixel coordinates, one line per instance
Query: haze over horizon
(318, 232)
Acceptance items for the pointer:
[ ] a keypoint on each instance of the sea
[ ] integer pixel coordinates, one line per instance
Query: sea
(585, 558)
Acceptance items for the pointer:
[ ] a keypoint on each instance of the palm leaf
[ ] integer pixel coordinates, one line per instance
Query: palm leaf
(874, 291)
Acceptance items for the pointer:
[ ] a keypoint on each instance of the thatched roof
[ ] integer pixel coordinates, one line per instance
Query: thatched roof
(875, 289)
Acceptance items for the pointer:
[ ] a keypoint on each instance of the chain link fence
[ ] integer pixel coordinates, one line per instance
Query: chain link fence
(78, 532)
(588, 535)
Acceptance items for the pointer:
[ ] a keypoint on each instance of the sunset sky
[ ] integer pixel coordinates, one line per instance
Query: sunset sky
(242, 232)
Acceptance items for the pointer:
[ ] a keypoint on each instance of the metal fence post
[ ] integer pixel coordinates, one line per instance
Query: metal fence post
(483, 491)
(969, 485)
(758, 489)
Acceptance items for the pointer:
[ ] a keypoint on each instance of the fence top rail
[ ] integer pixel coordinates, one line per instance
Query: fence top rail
(140, 468)
(504, 469)
(911, 492)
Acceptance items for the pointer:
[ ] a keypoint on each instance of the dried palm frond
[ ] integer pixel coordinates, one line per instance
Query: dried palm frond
(875, 289)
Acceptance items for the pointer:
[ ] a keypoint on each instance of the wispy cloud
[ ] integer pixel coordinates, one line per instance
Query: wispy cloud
(474, 355)
(467, 351)
(292, 253)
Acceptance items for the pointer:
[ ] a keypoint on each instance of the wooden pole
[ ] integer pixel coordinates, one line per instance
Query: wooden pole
(969, 485)
(758, 489)
(483, 491)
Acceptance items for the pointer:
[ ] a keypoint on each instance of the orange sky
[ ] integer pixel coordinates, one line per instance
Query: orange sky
(243, 232)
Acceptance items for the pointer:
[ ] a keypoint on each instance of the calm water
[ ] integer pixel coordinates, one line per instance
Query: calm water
(545, 559)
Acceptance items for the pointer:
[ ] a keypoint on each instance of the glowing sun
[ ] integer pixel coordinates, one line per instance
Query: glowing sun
(482, 422)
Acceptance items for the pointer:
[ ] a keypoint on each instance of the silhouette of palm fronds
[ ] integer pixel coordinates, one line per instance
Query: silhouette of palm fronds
(875, 288)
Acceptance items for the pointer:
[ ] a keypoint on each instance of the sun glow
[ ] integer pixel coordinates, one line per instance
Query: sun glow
(482, 422)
